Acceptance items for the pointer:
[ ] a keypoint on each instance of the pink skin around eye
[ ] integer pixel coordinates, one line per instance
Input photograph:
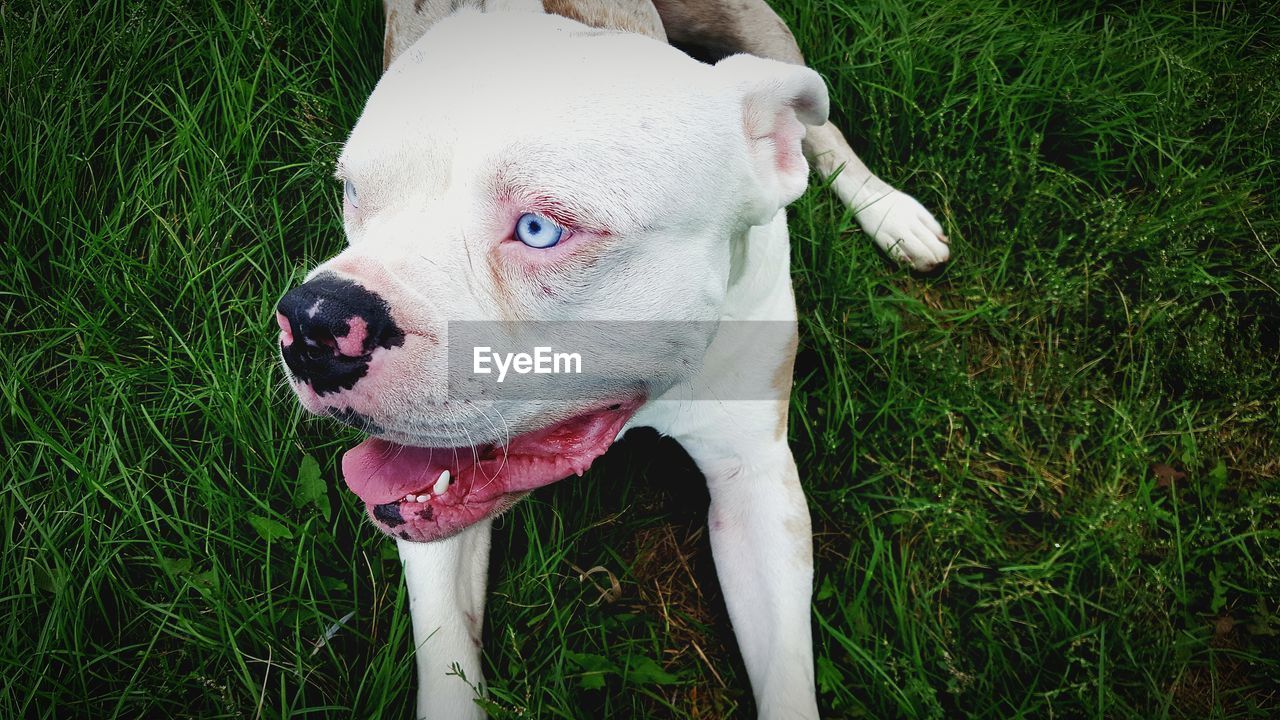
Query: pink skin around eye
(576, 240)
(573, 243)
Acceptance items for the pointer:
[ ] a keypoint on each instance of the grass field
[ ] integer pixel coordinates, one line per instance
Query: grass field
(1045, 481)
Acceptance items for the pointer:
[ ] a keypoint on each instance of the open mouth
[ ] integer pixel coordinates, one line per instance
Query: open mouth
(423, 494)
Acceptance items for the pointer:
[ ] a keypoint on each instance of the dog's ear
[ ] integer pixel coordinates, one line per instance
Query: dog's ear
(778, 100)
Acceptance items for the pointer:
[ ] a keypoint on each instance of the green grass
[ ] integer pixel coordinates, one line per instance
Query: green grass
(1044, 481)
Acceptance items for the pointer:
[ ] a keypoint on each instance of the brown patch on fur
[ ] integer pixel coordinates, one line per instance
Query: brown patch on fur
(724, 27)
(473, 627)
(799, 527)
(782, 378)
(707, 24)
(635, 16)
(502, 293)
(388, 40)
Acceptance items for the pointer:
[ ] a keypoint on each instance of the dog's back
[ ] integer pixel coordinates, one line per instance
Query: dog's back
(408, 20)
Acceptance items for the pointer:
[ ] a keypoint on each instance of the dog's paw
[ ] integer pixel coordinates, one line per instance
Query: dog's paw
(904, 229)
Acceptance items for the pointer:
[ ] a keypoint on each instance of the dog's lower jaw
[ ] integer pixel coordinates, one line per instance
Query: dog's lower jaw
(446, 583)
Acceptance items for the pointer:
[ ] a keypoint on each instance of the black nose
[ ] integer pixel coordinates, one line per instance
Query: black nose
(329, 328)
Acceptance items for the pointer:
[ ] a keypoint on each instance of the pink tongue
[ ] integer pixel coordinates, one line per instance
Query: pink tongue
(381, 472)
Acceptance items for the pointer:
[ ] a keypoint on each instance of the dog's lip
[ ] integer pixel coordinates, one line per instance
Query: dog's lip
(390, 477)
(416, 437)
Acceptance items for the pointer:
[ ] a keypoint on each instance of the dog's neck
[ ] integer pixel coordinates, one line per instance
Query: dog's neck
(407, 20)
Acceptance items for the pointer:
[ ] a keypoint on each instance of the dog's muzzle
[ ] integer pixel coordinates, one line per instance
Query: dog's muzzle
(329, 329)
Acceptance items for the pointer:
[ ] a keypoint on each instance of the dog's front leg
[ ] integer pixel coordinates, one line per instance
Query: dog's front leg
(763, 548)
(446, 581)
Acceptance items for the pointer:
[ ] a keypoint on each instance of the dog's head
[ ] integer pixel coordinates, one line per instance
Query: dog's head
(516, 168)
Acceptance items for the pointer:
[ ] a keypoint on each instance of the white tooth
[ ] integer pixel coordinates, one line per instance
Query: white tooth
(442, 484)
(410, 497)
(423, 498)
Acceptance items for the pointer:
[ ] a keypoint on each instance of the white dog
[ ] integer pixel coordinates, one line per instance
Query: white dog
(518, 167)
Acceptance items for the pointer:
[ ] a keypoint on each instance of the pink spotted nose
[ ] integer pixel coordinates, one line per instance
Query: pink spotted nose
(286, 332)
(329, 328)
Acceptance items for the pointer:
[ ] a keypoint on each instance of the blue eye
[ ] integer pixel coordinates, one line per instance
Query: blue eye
(350, 190)
(537, 231)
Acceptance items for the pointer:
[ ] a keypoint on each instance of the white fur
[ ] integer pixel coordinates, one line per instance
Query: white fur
(688, 166)
(446, 581)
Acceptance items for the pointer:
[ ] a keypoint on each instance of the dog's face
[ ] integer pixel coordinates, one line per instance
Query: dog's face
(515, 168)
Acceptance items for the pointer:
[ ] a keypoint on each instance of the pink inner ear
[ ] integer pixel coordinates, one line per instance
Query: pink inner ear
(787, 134)
(775, 141)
